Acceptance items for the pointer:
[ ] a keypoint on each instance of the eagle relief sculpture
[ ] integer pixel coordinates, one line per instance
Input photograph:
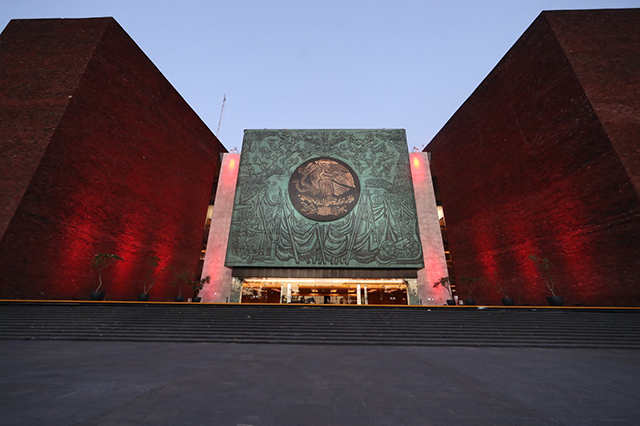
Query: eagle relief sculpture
(324, 189)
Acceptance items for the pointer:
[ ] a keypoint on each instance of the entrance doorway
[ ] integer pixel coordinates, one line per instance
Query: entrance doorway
(325, 291)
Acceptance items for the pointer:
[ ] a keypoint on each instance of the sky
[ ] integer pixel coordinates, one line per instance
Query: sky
(297, 64)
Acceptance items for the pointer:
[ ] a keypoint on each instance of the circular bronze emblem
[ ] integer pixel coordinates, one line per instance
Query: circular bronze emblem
(324, 189)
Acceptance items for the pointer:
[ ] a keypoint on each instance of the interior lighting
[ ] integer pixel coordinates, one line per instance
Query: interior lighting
(327, 281)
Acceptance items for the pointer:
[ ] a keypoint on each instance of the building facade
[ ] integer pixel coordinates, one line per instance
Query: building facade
(325, 217)
(100, 154)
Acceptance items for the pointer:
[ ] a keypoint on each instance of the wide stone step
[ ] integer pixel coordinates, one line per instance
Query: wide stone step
(620, 327)
(368, 328)
(315, 330)
(337, 341)
(435, 326)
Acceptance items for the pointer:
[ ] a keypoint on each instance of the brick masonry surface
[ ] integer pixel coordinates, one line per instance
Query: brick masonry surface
(104, 156)
(542, 160)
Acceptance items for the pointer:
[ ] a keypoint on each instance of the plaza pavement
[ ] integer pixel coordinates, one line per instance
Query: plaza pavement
(138, 383)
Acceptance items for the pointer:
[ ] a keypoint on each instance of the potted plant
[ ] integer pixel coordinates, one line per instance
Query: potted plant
(197, 285)
(102, 261)
(470, 285)
(151, 262)
(544, 266)
(501, 289)
(446, 283)
(180, 279)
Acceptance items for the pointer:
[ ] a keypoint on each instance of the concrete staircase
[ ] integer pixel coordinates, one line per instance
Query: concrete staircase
(322, 325)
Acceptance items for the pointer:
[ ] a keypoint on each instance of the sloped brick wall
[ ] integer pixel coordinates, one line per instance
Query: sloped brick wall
(41, 63)
(526, 167)
(128, 170)
(604, 51)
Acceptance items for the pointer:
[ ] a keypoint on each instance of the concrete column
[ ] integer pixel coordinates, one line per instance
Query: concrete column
(359, 290)
(430, 236)
(218, 290)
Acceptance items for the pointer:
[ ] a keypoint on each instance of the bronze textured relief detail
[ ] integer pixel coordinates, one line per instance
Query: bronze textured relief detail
(324, 198)
(324, 189)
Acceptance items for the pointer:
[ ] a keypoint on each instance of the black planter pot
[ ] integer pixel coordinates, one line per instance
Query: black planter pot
(97, 295)
(555, 300)
(196, 299)
(451, 302)
(179, 299)
(469, 301)
(143, 297)
(508, 301)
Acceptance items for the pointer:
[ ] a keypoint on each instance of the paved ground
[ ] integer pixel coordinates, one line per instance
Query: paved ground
(96, 383)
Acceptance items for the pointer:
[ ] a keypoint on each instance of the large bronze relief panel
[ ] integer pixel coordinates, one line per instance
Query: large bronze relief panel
(324, 198)
(324, 189)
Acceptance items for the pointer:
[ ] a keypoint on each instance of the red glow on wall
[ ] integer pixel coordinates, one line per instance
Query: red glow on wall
(231, 168)
(415, 160)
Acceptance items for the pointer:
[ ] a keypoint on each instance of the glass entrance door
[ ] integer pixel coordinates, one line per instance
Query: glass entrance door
(325, 291)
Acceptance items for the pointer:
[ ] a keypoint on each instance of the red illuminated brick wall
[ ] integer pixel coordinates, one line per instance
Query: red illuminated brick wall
(608, 67)
(41, 63)
(542, 160)
(104, 157)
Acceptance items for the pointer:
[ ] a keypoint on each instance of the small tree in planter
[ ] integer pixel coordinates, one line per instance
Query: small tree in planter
(151, 263)
(180, 279)
(544, 266)
(470, 284)
(197, 285)
(500, 288)
(102, 261)
(446, 283)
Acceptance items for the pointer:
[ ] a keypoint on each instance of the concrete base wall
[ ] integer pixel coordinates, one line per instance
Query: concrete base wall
(430, 235)
(218, 290)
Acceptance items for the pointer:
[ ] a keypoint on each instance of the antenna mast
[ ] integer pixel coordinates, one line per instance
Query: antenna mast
(221, 111)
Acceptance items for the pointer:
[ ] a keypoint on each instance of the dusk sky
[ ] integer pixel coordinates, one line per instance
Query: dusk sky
(318, 64)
